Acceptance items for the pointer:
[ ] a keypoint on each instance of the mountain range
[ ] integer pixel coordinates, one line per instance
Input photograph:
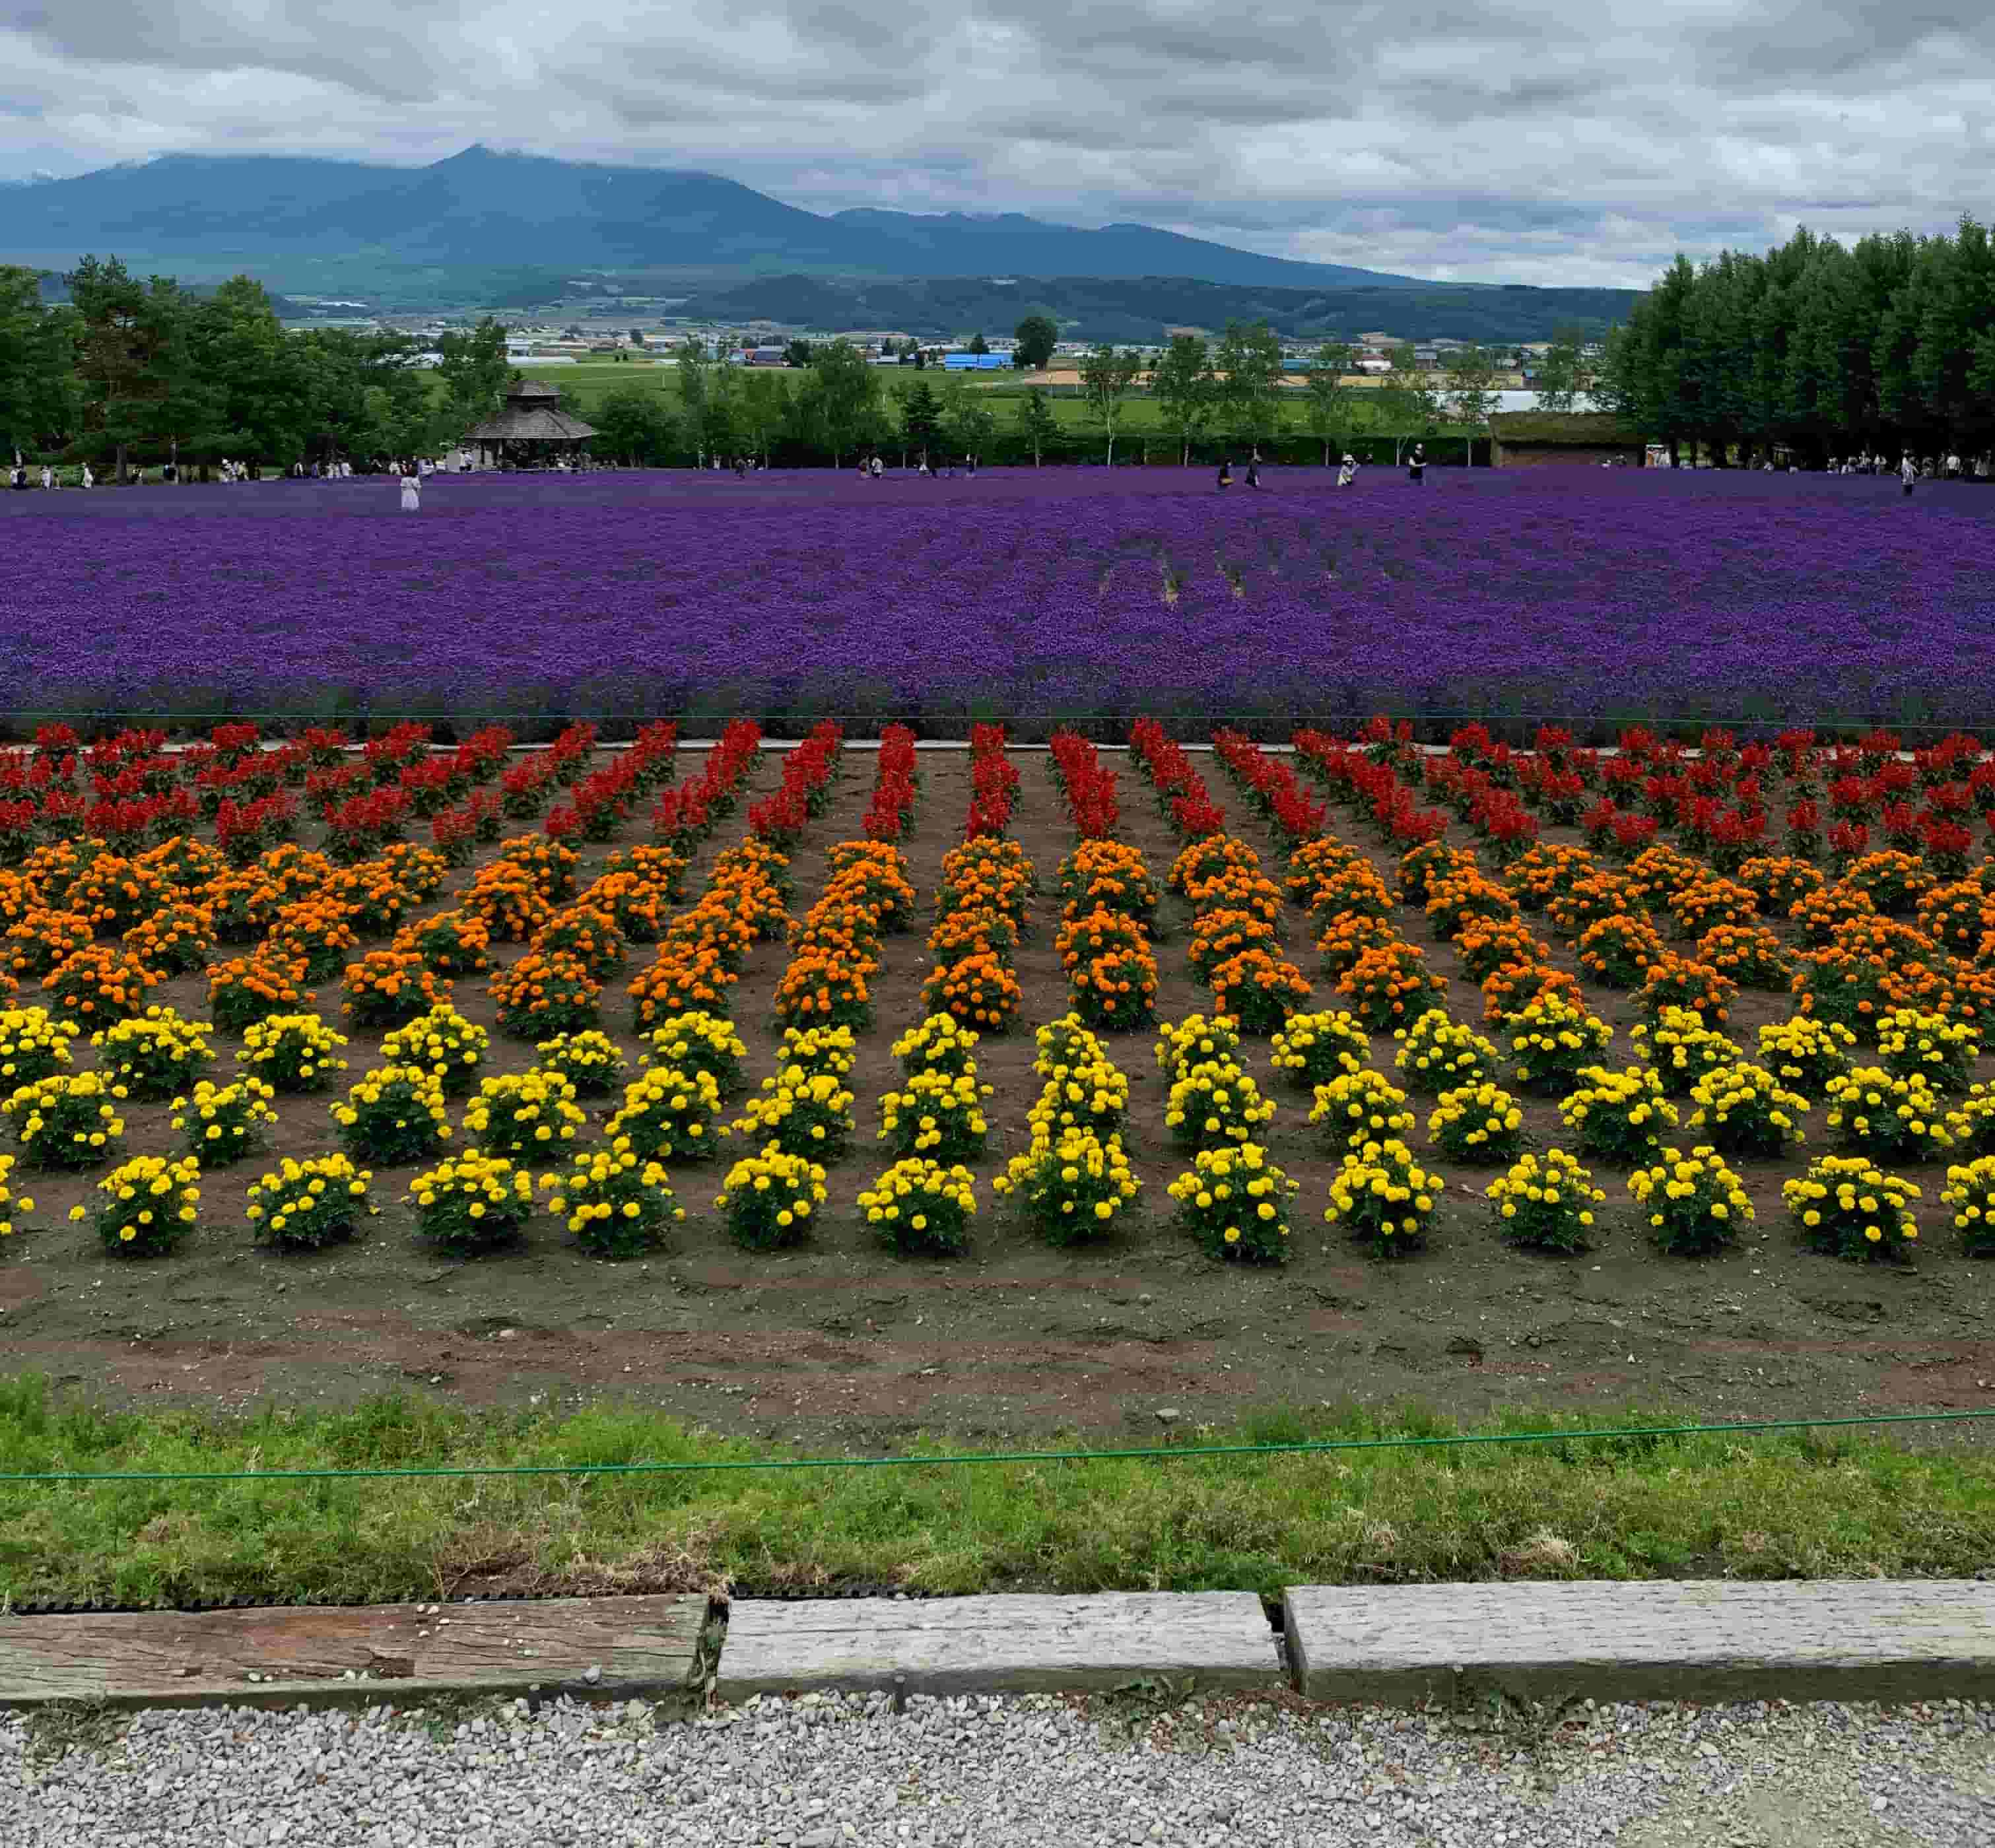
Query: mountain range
(484, 209)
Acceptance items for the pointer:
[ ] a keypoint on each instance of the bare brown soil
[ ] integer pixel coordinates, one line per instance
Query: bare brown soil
(844, 1342)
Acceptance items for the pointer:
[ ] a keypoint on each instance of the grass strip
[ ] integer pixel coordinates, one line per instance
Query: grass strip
(1806, 1504)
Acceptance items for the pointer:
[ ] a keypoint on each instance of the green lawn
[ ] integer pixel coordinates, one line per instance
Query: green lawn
(1835, 1504)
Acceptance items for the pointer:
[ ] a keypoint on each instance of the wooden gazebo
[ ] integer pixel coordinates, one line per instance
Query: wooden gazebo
(532, 431)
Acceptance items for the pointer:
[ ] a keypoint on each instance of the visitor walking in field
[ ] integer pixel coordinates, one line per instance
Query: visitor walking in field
(877, 467)
(1347, 470)
(1226, 472)
(1908, 472)
(412, 495)
(1254, 469)
(1416, 464)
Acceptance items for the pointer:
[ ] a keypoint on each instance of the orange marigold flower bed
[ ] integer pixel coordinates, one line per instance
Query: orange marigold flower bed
(1258, 990)
(977, 989)
(544, 993)
(680, 981)
(99, 984)
(388, 988)
(1390, 987)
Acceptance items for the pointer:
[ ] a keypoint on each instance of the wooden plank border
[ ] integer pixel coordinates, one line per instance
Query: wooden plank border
(1694, 1640)
(397, 1653)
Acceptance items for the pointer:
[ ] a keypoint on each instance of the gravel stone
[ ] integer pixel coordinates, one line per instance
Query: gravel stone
(824, 1770)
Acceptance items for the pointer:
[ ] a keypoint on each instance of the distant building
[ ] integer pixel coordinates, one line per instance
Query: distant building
(765, 356)
(975, 362)
(1533, 439)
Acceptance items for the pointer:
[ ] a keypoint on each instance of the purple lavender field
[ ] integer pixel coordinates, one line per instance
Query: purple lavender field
(1577, 592)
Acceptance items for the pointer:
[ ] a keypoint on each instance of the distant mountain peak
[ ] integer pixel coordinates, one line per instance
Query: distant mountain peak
(486, 206)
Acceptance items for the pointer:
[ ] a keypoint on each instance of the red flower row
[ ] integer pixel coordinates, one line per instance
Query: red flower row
(1087, 785)
(1181, 790)
(896, 782)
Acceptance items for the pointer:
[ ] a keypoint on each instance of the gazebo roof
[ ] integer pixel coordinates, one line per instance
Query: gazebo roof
(532, 414)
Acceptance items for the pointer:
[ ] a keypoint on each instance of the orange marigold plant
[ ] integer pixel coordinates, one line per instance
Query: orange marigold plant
(177, 939)
(449, 943)
(1894, 882)
(678, 981)
(544, 993)
(114, 893)
(1676, 981)
(1258, 990)
(1390, 987)
(1706, 903)
(319, 932)
(1780, 881)
(1486, 947)
(586, 932)
(1217, 935)
(388, 988)
(1542, 873)
(1588, 900)
(1658, 873)
(1347, 936)
(828, 985)
(246, 989)
(99, 984)
(1751, 954)
(44, 938)
(1620, 949)
(978, 990)
(547, 862)
(1514, 987)
(1313, 861)
(508, 901)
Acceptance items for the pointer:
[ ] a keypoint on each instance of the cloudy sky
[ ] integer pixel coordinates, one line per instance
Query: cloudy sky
(1541, 141)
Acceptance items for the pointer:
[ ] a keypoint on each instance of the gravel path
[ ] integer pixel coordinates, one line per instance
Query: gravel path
(820, 1772)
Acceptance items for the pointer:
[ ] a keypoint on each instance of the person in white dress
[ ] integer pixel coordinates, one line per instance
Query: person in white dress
(412, 495)
(1346, 471)
(90, 480)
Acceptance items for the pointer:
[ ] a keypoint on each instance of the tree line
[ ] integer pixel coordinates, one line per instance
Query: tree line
(1816, 351)
(129, 371)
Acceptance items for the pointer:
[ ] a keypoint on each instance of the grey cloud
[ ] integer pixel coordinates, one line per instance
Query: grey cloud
(1533, 140)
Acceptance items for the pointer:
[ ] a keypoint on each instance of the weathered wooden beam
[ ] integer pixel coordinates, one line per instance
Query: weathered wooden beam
(1818, 1640)
(390, 1653)
(1001, 1644)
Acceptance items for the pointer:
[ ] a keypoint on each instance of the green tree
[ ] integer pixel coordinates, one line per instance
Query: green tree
(474, 370)
(1036, 335)
(921, 419)
(367, 396)
(1186, 392)
(132, 358)
(635, 426)
(1248, 363)
(1037, 424)
(967, 414)
(696, 382)
(840, 403)
(37, 394)
(798, 353)
(256, 387)
(762, 407)
(978, 344)
(1406, 401)
(1557, 375)
(1106, 377)
(1329, 405)
(1472, 388)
